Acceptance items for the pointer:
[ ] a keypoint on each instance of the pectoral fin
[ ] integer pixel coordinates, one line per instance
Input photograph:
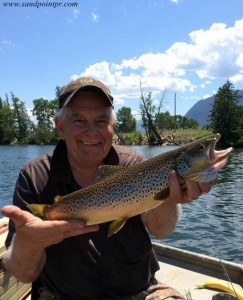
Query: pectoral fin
(115, 226)
(204, 177)
(162, 195)
(38, 209)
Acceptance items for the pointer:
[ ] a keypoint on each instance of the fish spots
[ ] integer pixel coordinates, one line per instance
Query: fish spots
(136, 189)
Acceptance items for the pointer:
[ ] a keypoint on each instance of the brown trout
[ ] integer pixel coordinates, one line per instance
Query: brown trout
(123, 192)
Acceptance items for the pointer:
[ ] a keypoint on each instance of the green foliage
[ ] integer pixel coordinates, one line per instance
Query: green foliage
(155, 121)
(185, 123)
(15, 124)
(125, 121)
(166, 121)
(17, 127)
(149, 113)
(44, 111)
(226, 115)
(7, 130)
(226, 118)
(133, 138)
(22, 122)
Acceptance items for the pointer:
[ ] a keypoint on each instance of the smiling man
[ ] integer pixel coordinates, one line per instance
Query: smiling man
(67, 259)
(87, 126)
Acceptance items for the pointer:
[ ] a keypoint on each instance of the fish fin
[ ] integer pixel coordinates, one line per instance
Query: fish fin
(57, 198)
(162, 195)
(38, 209)
(106, 171)
(203, 177)
(115, 226)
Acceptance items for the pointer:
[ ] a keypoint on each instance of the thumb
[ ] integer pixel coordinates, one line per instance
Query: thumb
(18, 216)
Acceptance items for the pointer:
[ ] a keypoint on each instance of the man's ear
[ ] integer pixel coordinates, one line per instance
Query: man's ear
(59, 127)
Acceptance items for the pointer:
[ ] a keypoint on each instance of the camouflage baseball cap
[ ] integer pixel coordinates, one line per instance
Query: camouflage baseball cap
(84, 84)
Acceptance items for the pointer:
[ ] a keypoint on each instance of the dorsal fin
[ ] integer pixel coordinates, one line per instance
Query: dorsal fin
(57, 198)
(106, 171)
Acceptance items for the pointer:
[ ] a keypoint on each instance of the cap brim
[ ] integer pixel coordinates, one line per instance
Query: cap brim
(88, 88)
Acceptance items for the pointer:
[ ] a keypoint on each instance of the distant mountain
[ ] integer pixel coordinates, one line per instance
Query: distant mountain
(200, 111)
(139, 126)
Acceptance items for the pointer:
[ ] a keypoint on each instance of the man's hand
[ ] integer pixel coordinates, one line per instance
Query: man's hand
(26, 256)
(35, 232)
(161, 220)
(186, 191)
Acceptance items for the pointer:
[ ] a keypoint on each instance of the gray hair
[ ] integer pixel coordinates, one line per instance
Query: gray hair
(61, 113)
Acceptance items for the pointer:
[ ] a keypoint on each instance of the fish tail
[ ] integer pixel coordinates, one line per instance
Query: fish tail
(38, 209)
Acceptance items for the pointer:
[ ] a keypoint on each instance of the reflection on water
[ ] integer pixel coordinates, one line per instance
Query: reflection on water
(212, 225)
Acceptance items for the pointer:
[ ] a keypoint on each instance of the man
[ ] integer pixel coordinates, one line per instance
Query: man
(69, 260)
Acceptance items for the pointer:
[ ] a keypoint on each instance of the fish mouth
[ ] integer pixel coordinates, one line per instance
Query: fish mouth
(218, 158)
(206, 166)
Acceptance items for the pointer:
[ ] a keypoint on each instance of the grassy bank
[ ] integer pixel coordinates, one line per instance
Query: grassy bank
(191, 133)
(170, 137)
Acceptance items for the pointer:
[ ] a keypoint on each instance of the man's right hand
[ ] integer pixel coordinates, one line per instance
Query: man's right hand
(35, 232)
(26, 256)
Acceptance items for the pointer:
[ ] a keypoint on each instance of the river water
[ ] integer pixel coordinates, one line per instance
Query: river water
(212, 225)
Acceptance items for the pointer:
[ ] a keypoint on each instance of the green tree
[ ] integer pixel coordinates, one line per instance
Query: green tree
(44, 111)
(185, 123)
(58, 91)
(166, 121)
(22, 122)
(191, 123)
(150, 113)
(226, 116)
(125, 121)
(7, 130)
(240, 133)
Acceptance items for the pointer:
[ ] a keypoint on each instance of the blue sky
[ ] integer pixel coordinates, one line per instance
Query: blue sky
(187, 47)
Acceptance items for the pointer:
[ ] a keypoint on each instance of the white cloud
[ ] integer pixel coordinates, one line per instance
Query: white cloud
(237, 78)
(215, 53)
(136, 114)
(75, 15)
(95, 17)
(206, 96)
(8, 43)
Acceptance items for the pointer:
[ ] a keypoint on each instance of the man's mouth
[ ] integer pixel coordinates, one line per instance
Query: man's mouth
(90, 144)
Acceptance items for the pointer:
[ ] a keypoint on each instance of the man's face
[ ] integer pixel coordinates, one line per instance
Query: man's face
(87, 129)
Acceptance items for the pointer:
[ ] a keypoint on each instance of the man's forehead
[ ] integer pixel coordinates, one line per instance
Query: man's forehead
(88, 100)
(83, 113)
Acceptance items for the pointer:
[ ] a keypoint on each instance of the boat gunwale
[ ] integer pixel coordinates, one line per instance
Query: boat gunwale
(193, 259)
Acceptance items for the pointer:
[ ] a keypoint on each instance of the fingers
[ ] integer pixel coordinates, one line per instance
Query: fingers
(75, 232)
(186, 191)
(195, 189)
(176, 192)
(40, 233)
(192, 191)
(69, 229)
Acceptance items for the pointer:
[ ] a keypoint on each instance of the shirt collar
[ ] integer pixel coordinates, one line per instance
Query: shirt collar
(60, 170)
